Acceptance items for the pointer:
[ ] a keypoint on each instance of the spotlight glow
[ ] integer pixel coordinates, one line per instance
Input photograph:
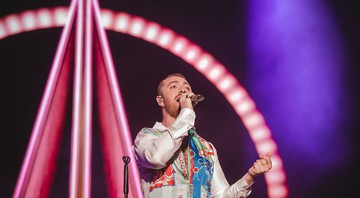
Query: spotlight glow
(107, 18)
(165, 38)
(179, 45)
(151, 32)
(276, 176)
(226, 83)
(137, 27)
(121, 22)
(260, 133)
(253, 120)
(236, 95)
(60, 16)
(45, 18)
(278, 191)
(192, 53)
(13, 24)
(204, 62)
(28, 20)
(266, 146)
(245, 106)
(215, 73)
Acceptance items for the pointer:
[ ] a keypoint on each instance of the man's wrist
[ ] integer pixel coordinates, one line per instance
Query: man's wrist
(250, 178)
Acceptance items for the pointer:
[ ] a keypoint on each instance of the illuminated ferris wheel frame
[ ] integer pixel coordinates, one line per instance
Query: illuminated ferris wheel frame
(182, 47)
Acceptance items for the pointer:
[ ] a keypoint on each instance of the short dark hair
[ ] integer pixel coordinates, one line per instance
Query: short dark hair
(161, 84)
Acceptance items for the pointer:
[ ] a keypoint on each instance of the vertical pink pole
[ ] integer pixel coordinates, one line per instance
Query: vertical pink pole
(80, 165)
(88, 99)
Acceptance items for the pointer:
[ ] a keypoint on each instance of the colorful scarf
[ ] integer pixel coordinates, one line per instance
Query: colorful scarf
(200, 169)
(196, 164)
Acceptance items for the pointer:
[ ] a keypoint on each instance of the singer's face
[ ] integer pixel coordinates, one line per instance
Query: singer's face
(173, 88)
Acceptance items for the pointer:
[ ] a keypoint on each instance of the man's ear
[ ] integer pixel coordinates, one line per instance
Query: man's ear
(160, 101)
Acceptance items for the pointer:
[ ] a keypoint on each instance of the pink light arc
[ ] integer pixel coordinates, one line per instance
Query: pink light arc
(182, 47)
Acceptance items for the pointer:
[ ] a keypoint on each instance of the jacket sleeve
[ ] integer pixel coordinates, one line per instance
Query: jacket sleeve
(154, 149)
(220, 187)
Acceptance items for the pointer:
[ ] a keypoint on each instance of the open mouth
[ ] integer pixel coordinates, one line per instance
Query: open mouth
(178, 98)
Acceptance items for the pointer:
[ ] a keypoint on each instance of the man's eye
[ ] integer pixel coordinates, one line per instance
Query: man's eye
(172, 87)
(188, 88)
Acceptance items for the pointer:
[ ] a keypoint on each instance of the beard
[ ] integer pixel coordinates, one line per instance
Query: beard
(172, 109)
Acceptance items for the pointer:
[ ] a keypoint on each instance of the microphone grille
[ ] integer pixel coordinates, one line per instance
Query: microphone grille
(199, 97)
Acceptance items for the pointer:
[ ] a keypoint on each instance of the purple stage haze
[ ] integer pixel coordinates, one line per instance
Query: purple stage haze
(295, 72)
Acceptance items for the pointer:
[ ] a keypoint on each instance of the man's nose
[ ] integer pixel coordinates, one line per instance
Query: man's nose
(183, 90)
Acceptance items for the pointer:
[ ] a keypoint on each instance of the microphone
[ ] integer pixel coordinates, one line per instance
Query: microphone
(197, 98)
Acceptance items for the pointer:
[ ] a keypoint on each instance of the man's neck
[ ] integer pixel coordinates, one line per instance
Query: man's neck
(167, 120)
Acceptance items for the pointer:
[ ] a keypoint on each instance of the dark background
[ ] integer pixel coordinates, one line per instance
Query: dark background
(219, 27)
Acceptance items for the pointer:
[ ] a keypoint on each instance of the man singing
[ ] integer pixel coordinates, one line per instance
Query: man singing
(175, 162)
